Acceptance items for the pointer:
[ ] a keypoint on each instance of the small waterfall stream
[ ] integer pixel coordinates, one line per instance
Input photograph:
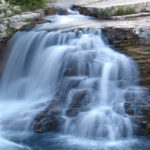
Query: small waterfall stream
(87, 77)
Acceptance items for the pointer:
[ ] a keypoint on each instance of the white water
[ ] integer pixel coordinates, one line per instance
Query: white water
(36, 69)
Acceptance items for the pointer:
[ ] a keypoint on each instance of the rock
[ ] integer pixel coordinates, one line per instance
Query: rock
(51, 10)
(130, 111)
(56, 9)
(2, 15)
(9, 12)
(73, 112)
(79, 103)
(17, 8)
(48, 121)
(53, 124)
(106, 9)
(9, 25)
(62, 11)
(3, 6)
(78, 98)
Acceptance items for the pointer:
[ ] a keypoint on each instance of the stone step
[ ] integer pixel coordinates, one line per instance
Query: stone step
(72, 62)
(141, 53)
(142, 14)
(142, 62)
(145, 81)
(108, 8)
(138, 58)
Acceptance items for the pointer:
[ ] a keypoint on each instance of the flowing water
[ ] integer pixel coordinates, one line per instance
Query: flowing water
(90, 79)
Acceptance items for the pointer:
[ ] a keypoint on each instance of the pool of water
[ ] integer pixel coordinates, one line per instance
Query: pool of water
(49, 141)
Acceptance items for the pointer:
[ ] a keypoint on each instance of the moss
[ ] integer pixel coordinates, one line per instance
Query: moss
(147, 49)
(28, 4)
(104, 13)
(29, 20)
(9, 32)
(15, 11)
(121, 11)
(141, 30)
(130, 11)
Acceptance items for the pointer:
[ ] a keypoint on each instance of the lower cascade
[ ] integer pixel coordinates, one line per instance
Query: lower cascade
(71, 83)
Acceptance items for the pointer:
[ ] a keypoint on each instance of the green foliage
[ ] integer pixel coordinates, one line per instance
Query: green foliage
(130, 11)
(29, 19)
(147, 49)
(28, 4)
(9, 32)
(141, 30)
(122, 11)
(104, 13)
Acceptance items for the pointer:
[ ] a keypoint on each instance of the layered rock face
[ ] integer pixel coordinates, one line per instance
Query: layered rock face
(129, 43)
(138, 107)
(108, 8)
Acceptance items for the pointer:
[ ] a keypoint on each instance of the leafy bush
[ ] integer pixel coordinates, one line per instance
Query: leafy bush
(28, 4)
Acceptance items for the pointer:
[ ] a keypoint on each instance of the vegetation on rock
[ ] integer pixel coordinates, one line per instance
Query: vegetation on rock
(122, 11)
(28, 4)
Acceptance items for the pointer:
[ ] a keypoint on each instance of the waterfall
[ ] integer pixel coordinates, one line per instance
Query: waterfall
(87, 77)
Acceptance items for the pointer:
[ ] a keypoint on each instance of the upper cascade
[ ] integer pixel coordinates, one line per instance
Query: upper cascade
(74, 78)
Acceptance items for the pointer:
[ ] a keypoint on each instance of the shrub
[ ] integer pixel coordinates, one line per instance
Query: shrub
(28, 4)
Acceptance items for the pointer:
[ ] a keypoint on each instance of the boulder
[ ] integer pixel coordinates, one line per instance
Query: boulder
(48, 121)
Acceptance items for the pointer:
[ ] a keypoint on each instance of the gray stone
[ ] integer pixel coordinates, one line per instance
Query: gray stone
(9, 12)
(2, 15)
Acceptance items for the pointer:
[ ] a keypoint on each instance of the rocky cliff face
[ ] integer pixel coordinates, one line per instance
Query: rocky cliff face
(12, 19)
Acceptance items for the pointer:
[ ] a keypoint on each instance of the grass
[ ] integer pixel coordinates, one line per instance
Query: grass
(104, 13)
(9, 32)
(28, 4)
(141, 30)
(29, 20)
(122, 11)
(147, 49)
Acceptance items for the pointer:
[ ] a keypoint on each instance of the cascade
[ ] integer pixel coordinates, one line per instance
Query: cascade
(77, 73)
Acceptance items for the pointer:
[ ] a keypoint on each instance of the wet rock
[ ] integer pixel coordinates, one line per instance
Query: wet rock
(53, 124)
(62, 11)
(138, 108)
(51, 10)
(79, 103)
(72, 63)
(130, 111)
(78, 98)
(72, 112)
(48, 121)
(54, 9)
